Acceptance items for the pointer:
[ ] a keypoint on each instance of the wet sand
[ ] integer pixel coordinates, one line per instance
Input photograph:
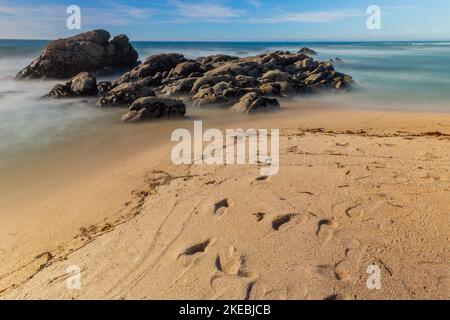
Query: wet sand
(354, 188)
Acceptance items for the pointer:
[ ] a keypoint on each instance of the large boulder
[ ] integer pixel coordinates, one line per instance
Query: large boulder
(179, 87)
(223, 93)
(243, 67)
(184, 69)
(280, 88)
(152, 107)
(211, 62)
(307, 51)
(125, 94)
(245, 81)
(81, 85)
(154, 66)
(91, 52)
(209, 81)
(252, 102)
(275, 75)
(314, 78)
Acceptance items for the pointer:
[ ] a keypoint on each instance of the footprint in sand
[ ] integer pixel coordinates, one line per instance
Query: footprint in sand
(221, 207)
(337, 296)
(259, 216)
(230, 262)
(231, 288)
(193, 252)
(280, 221)
(286, 221)
(230, 281)
(325, 229)
(332, 272)
(261, 291)
(323, 222)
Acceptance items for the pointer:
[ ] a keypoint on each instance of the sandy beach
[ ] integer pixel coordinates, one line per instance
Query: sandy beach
(355, 188)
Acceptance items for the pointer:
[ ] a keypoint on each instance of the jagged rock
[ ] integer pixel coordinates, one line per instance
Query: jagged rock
(275, 75)
(314, 78)
(59, 91)
(196, 75)
(246, 81)
(125, 94)
(244, 67)
(81, 85)
(223, 93)
(211, 62)
(160, 63)
(179, 87)
(152, 107)
(252, 102)
(307, 51)
(185, 69)
(103, 87)
(91, 51)
(210, 81)
(270, 89)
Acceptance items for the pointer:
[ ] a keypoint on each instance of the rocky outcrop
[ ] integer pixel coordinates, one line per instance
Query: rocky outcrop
(103, 87)
(307, 51)
(215, 61)
(224, 80)
(87, 52)
(252, 102)
(179, 87)
(81, 85)
(185, 69)
(222, 93)
(275, 75)
(244, 85)
(152, 108)
(125, 94)
(155, 67)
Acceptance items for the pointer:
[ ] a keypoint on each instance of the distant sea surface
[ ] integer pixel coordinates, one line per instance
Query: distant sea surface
(398, 76)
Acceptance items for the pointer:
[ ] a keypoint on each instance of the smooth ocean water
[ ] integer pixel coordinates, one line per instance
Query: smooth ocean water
(398, 76)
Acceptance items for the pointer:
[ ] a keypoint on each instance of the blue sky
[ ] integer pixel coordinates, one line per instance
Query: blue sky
(230, 20)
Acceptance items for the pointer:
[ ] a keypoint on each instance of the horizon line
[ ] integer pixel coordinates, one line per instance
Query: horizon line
(247, 41)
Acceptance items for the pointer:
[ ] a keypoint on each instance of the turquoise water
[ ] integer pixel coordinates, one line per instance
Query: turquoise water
(398, 76)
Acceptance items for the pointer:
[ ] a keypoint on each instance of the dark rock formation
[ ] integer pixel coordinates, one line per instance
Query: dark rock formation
(125, 94)
(81, 85)
(87, 52)
(307, 51)
(185, 69)
(244, 85)
(223, 80)
(153, 67)
(251, 103)
(222, 93)
(152, 107)
(214, 61)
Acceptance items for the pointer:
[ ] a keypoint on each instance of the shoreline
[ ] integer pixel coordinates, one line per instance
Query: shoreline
(104, 205)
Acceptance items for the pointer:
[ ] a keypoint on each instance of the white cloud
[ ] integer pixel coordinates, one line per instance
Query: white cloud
(205, 10)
